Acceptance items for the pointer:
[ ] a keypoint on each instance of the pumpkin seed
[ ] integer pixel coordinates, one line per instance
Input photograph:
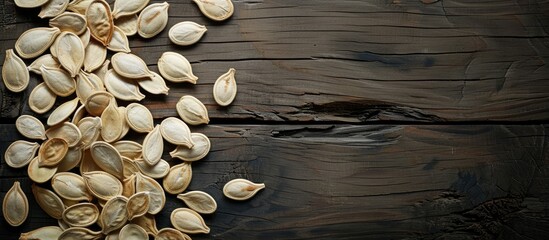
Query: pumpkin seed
(171, 234)
(129, 186)
(153, 146)
(70, 186)
(128, 24)
(100, 21)
(102, 184)
(47, 60)
(95, 55)
(87, 163)
(122, 88)
(43, 233)
(35, 41)
(71, 22)
(199, 201)
(154, 85)
(224, 90)
(53, 8)
(139, 118)
(148, 223)
(52, 152)
(175, 131)
(119, 41)
(198, 151)
(114, 215)
(79, 6)
(159, 170)
(30, 3)
(178, 178)
(217, 10)
(20, 153)
(130, 66)
(79, 233)
(192, 110)
(48, 201)
(97, 102)
(41, 99)
(62, 112)
(90, 127)
(111, 123)
(58, 80)
(156, 193)
(67, 131)
(176, 68)
(125, 8)
(133, 232)
(188, 221)
(127, 148)
(15, 206)
(186, 33)
(85, 37)
(14, 72)
(130, 168)
(81, 214)
(138, 205)
(241, 189)
(125, 126)
(30, 127)
(40, 174)
(71, 160)
(107, 158)
(70, 52)
(152, 20)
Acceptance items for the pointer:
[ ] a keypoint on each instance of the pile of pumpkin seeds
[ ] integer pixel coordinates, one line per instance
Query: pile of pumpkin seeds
(117, 188)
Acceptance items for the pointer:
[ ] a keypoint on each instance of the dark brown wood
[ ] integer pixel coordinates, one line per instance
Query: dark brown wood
(353, 61)
(356, 182)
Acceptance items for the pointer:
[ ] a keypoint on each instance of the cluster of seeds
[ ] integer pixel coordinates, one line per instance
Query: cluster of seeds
(117, 188)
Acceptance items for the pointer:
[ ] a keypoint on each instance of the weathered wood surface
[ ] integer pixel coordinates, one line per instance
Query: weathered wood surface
(324, 60)
(357, 182)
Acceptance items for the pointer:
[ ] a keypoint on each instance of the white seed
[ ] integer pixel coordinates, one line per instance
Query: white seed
(47, 60)
(156, 193)
(102, 184)
(107, 158)
(41, 99)
(35, 41)
(176, 68)
(81, 214)
(95, 55)
(69, 21)
(30, 3)
(188, 221)
(200, 149)
(58, 80)
(121, 87)
(14, 72)
(43, 233)
(178, 178)
(186, 33)
(175, 131)
(199, 201)
(40, 174)
(217, 10)
(48, 201)
(152, 20)
(67, 131)
(154, 85)
(159, 170)
(241, 189)
(100, 21)
(153, 146)
(128, 24)
(70, 52)
(111, 123)
(15, 205)
(130, 66)
(119, 41)
(224, 89)
(30, 127)
(70, 186)
(114, 215)
(63, 112)
(139, 118)
(192, 110)
(53, 8)
(79, 6)
(20, 153)
(125, 8)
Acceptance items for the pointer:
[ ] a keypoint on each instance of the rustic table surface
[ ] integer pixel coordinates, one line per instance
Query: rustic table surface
(365, 119)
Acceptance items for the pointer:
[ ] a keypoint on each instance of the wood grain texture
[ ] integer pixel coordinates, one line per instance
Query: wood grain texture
(356, 182)
(352, 61)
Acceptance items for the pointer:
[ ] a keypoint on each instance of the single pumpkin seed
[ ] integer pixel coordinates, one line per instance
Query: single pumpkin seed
(241, 189)
(63, 112)
(171, 234)
(43, 233)
(133, 232)
(114, 215)
(41, 98)
(20, 153)
(154, 85)
(100, 21)
(87, 163)
(188, 221)
(199, 201)
(15, 206)
(67, 131)
(40, 174)
(175, 131)
(152, 20)
(200, 149)
(176, 68)
(47, 60)
(139, 118)
(58, 80)
(71, 160)
(156, 193)
(130, 65)
(107, 158)
(95, 55)
(121, 87)
(79, 233)
(35, 41)
(130, 168)
(90, 127)
(186, 33)
(224, 89)
(102, 184)
(69, 21)
(125, 8)
(30, 127)
(53, 8)
(30, 3)
(97, 102)
(84, 86)
(70, 52)
(48, 201)
(52, 152)
(192, 110)
(217, 10)
(128, 24)
(138, 205)
(153, 146)
(178, 178)
(79, 6)
(159, 170)
(128, 148)
(70, 186)
(119, 41)
(111, 123)
(81, 214)
(14, 72)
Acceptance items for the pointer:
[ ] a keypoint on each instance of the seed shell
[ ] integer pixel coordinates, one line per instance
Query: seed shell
(14, 72)
(15, 206)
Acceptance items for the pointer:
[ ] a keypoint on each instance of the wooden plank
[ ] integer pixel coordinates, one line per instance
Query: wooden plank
(352, 61)
(356, 182)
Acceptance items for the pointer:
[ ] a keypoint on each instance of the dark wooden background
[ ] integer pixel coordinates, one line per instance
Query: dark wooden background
(401, 119)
